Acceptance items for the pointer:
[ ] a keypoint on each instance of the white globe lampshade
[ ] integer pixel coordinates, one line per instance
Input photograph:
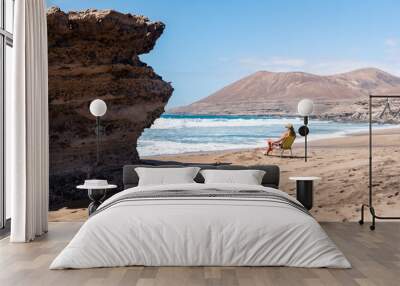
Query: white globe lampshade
(98, 107)
(305, 107)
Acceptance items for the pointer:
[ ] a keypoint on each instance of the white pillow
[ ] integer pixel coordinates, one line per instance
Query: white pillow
(248, 177)
(166, 176)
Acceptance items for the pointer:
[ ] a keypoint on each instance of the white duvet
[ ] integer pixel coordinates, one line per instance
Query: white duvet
(200, 231)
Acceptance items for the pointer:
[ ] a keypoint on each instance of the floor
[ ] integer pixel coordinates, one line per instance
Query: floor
(375, 257)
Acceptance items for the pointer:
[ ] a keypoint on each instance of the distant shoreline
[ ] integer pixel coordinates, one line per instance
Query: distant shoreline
(277, 115)
(336, 119)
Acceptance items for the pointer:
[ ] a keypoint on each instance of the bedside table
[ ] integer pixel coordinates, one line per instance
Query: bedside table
(96, 194)
(304, 190)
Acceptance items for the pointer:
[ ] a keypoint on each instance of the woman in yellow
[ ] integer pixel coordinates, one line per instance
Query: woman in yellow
(289, 134)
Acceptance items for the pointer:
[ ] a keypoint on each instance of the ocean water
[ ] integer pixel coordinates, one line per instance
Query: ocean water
(175, 134)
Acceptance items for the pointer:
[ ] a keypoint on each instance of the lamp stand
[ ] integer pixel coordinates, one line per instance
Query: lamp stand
(305, 138)
(97, 140)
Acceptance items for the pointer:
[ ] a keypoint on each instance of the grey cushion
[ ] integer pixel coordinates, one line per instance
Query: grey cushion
(271, 178)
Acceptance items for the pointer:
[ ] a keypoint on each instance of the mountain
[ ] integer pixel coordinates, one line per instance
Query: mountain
(277, 93)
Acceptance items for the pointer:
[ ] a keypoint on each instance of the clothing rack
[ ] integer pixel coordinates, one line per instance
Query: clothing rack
(370, 203)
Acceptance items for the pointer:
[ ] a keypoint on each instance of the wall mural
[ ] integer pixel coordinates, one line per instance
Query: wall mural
(95, 54)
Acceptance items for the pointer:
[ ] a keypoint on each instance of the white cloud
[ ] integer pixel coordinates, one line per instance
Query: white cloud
(388, 61)
(328, 67)
(223, 59)
(392, 51)
(288, 62)
(272, 63)
(321, 67)
(391, 42)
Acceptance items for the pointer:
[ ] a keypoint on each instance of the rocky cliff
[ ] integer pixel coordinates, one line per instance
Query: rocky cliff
(339, 97)
(95, 54)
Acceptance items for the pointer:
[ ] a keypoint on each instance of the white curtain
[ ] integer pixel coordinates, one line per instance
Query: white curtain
(27, 123)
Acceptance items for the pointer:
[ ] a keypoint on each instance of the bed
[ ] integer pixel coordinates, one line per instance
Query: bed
(197, 224)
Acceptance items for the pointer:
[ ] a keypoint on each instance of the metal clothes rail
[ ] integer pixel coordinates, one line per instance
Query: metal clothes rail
(370, 203)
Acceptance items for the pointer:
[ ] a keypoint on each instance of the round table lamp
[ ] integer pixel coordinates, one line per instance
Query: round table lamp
(98, 107)
(305, 107)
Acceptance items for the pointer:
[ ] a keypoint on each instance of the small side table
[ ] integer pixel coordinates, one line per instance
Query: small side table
(304, 190)
(96, 194)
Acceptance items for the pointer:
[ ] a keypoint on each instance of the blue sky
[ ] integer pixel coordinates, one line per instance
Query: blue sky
(208, 44)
